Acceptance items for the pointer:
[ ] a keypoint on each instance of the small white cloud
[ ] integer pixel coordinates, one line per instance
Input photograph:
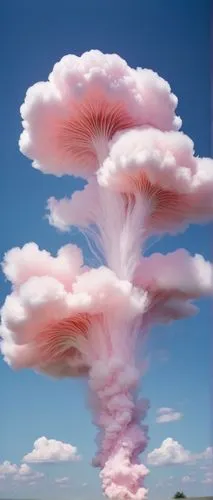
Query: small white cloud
(25, 473)
(25, 470)
(170, 452)
(165, 415)
(22, 473)
(8, 469)
(50, 450)
(62, 480)
(188, 479)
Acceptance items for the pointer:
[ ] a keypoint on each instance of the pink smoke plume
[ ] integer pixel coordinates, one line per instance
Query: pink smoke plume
(115, 126)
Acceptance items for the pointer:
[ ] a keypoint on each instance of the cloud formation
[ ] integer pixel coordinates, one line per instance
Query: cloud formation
(69, 119)
(18, 473)
(6, 469)
(50, 451)
(165, 415)
(160, 170)
(171, 452)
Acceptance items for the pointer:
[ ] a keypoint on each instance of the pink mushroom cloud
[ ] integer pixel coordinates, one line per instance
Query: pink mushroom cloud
(157, 172)
(50, 320)
(116, 127)
(69, 119)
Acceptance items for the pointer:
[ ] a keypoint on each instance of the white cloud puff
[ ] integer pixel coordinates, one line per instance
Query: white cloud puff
(51, 450)
(6, 469)
(165, 415)
(170, 452)
(18, 473)
(173, 453)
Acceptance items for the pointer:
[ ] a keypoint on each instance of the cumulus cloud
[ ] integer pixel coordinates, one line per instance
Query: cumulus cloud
(6, 468)
(165, 415)
(25, 473)
(171, 452)
(50, 451)
(18, 473)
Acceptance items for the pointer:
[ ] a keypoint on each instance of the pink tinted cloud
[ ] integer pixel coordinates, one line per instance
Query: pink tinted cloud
(49, 328)
(20, 264)
(172, 281)
(69, 119)
(161, 169)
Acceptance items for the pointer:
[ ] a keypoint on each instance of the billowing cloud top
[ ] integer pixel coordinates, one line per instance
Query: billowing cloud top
(69, 119)
(19, 264)
(50, 451)
(51, 312)
(160, 168)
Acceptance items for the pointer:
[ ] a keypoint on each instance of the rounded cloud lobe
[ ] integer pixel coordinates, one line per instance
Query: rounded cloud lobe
(51, 450)
(171, 452)
(160, 168)
(69, 119)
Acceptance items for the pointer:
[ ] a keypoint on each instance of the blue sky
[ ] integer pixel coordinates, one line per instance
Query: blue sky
(172, 38)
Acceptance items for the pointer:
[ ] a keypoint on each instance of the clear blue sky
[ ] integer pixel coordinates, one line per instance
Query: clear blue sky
(173, 38)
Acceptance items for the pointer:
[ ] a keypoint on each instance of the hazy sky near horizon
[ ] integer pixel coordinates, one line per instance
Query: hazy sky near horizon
(172, 38)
